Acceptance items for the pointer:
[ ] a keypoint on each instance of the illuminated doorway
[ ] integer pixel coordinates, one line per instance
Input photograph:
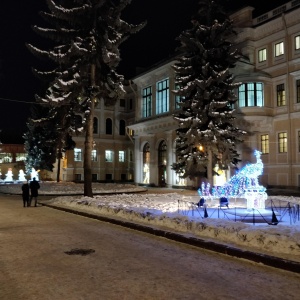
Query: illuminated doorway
(146, 163)
(162, 163)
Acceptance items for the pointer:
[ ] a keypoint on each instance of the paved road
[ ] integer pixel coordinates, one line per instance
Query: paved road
(125, 265)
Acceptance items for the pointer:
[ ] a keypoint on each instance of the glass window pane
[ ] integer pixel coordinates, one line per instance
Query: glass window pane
(297, 42)
(121, 156)
(108, 156)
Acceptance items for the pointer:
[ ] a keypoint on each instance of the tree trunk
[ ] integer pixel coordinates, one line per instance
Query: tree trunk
(88, 144)
(59, 157)
(58, 168)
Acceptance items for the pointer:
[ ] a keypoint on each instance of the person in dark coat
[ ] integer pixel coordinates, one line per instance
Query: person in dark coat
(25, 193)
(34, 186)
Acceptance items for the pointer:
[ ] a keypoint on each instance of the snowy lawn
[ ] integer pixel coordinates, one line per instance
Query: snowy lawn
(174, 211)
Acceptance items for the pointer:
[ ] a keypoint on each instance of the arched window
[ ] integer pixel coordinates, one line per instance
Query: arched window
(122, 127)
(162, 153)
(146, 163)
(108, 126)
(162, 163)
(95, 125)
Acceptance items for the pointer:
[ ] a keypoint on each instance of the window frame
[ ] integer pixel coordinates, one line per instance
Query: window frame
(147, 102)
(279, 49)
(262, 55)
(122, 127)
(109, 156)
(257, 92)
(122, 102)
(265, 143)
(21, 156)
(121, 156)
(297, 90)
(297, 42)
(280, 95)
(94, 156)
(178, 99)
(108, 126)
(162, 96)
(282, 142)
(77, 154)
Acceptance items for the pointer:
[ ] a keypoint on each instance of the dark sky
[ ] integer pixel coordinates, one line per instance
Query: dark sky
(166, 20)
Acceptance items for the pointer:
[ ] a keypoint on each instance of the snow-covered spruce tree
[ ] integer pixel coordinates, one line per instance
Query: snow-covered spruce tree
(86, 35)
(46, 138)
(40, 141)
(206, 132)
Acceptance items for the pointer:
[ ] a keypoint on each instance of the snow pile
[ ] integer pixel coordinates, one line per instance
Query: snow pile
(161, 210)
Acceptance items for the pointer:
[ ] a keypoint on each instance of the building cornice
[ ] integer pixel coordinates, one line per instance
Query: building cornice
(154, 125)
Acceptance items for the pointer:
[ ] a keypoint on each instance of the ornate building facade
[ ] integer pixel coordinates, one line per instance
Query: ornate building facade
(134, 140)
(268, 104)
(112, 154)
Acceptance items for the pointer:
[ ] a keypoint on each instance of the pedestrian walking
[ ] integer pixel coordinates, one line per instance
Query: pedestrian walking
(25, 193)
(34, 186)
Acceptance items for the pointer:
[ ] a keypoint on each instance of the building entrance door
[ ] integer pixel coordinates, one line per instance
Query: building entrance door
(162, 176)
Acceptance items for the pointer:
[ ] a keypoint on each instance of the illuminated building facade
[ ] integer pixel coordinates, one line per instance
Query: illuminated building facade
(12, 157)
(268, 100)
(134, 141)
(112, 154)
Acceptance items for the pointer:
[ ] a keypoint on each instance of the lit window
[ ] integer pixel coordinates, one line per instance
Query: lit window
(282, 142)
(264, 143)
(20, 156)
(251, 94)
(297, 42)
(121, 156)
(77, 154)
(280, 95)
(162, 96)
(130, 132)
(146, 163)
(178, 98)
(5, 157)
(298, 90)
(279, 49)
(94, 155)
(108, 155)
(147, 102)
(262, 55)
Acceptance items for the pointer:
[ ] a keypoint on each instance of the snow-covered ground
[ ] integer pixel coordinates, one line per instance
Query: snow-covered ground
(175, 211)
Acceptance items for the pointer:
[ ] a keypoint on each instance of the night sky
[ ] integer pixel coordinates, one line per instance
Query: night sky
(166, 20)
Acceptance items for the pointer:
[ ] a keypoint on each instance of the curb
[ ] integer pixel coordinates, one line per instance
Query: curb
(268, 260)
